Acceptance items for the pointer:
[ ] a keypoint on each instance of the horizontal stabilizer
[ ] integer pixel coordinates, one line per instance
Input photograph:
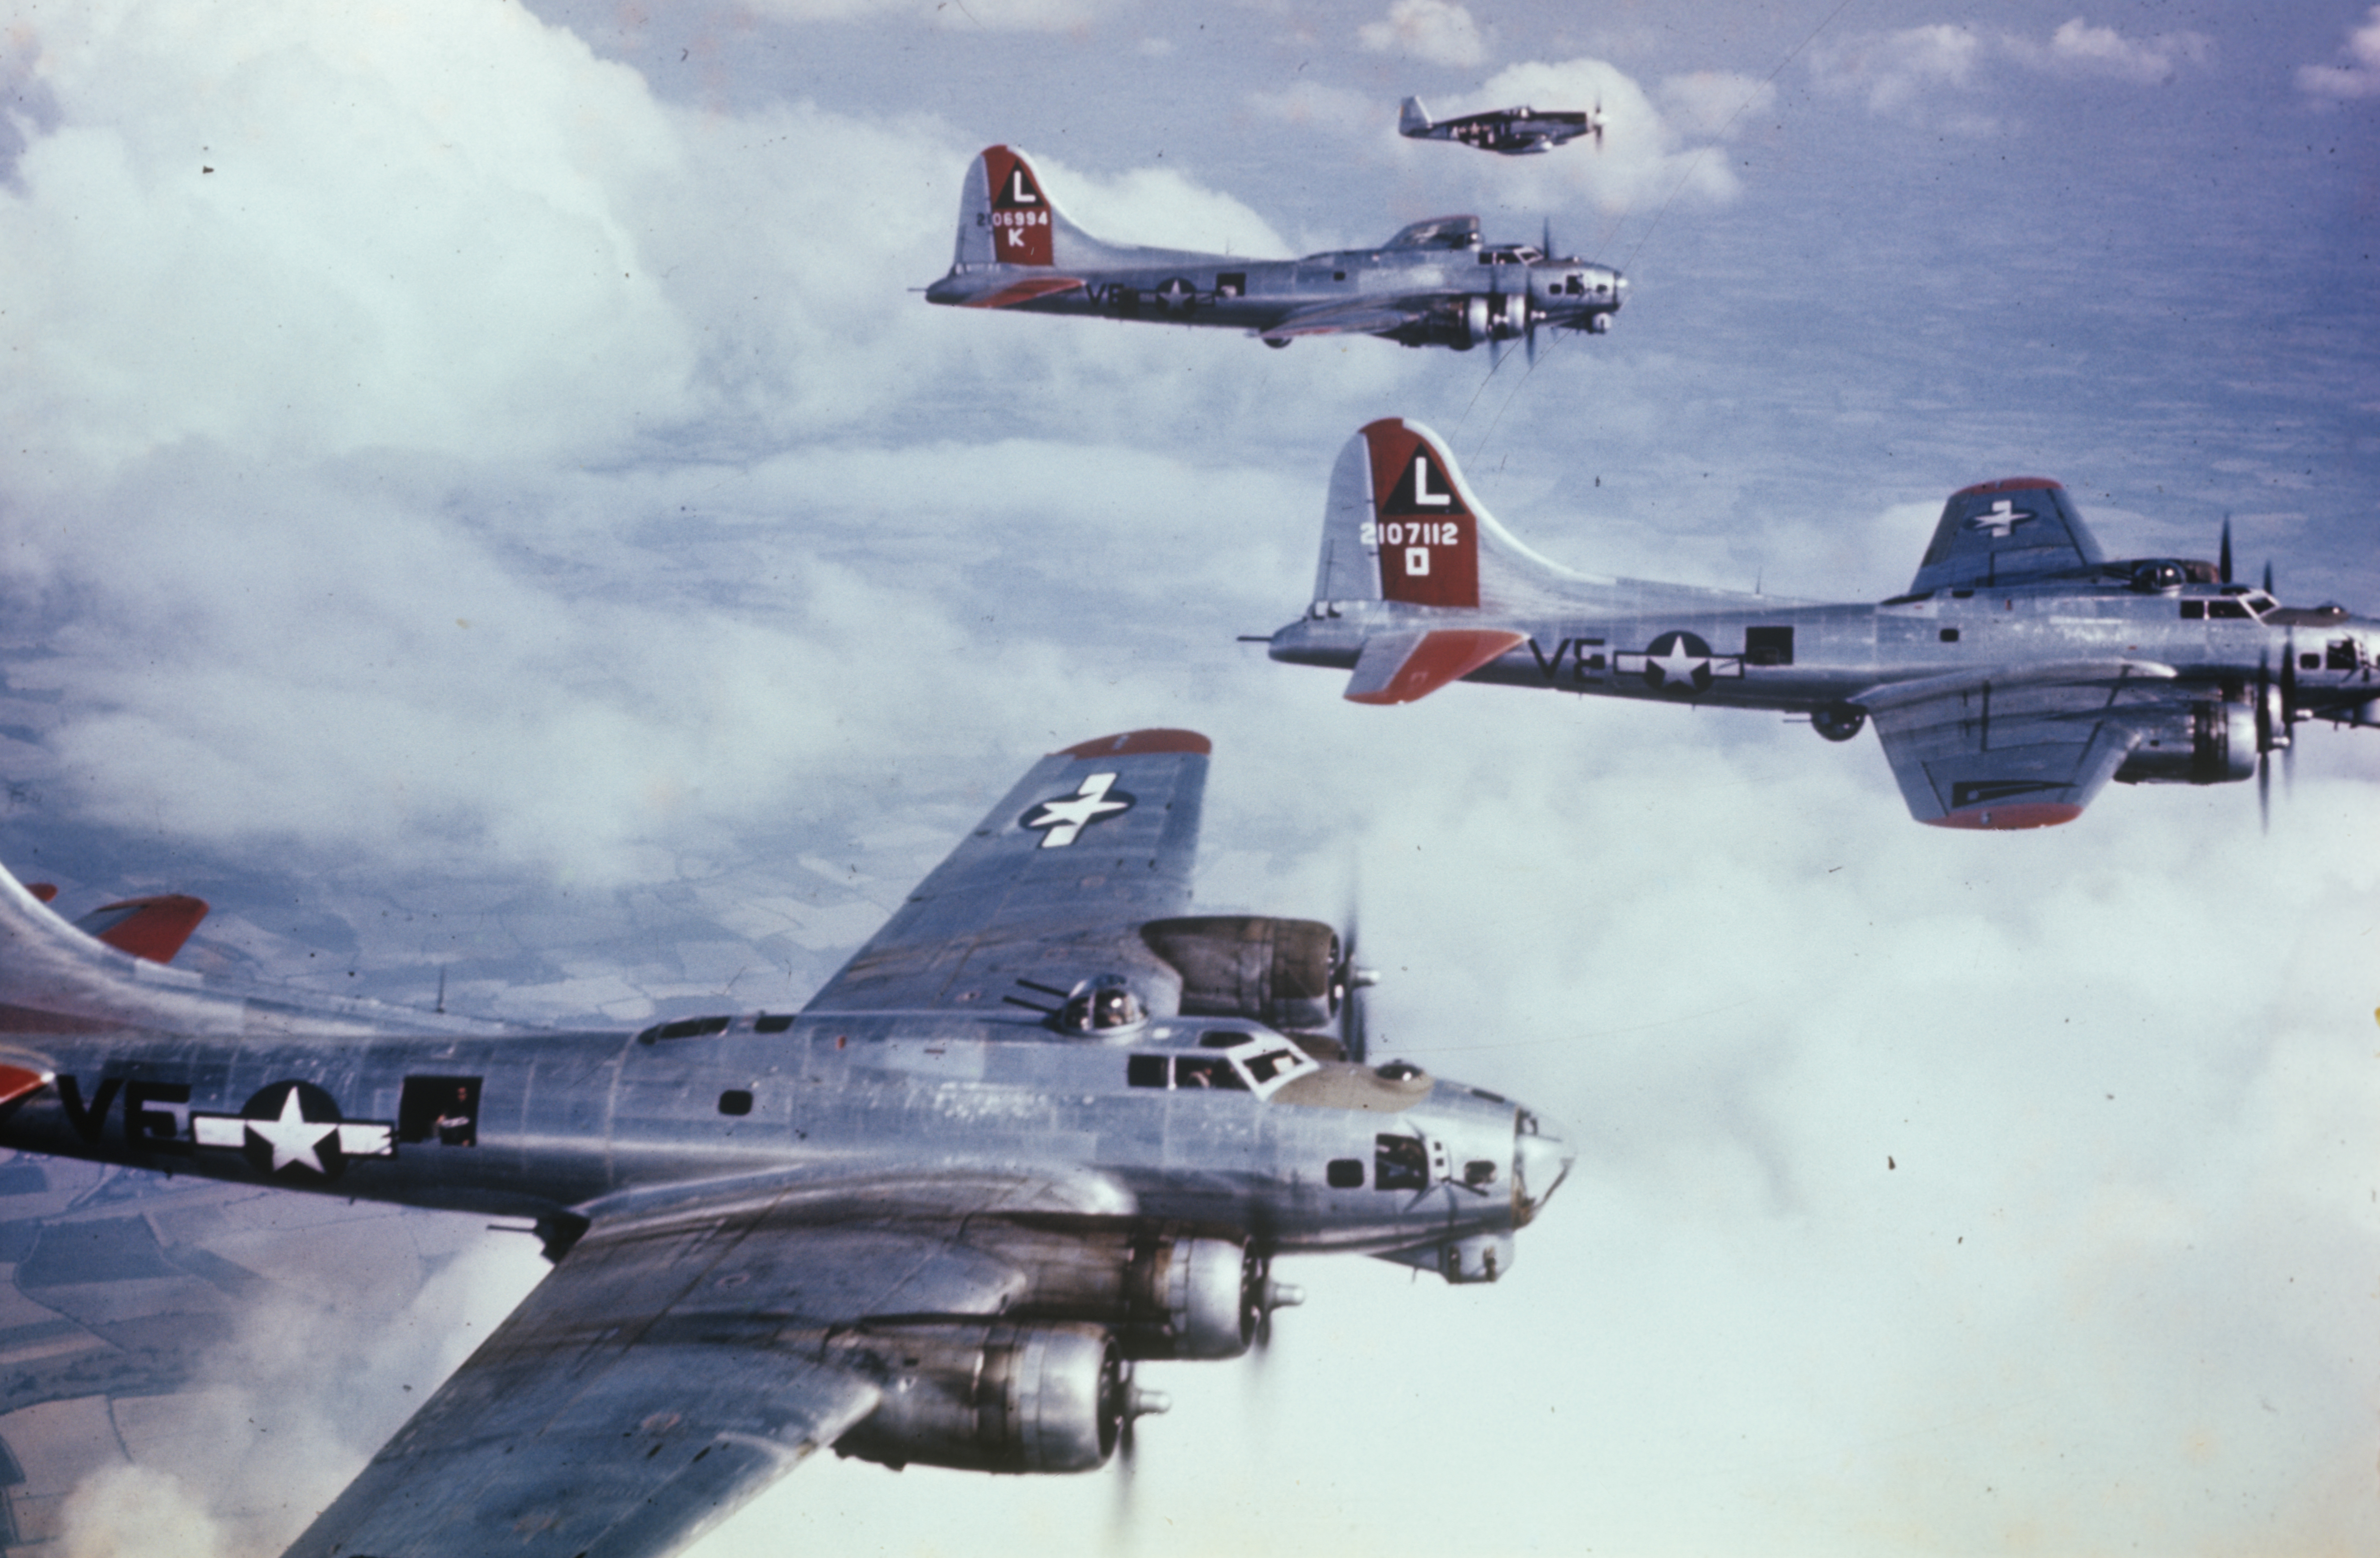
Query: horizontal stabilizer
(150, 928)
(1010, 294)
(1400, 667)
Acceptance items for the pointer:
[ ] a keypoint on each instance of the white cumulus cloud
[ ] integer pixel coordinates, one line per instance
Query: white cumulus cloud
(1902, 73)
(2357, 79)
(1426, 29)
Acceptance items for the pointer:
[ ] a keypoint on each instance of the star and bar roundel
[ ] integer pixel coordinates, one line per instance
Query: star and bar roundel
(1061, 819)
(1678, 662)
(292, 1130)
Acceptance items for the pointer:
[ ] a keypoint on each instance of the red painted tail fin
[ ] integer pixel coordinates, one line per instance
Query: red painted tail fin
(1425, 525)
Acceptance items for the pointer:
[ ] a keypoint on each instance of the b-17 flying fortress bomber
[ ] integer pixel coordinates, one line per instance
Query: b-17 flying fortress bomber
(1044, 1124)
(1433, 284)
(2020, 671)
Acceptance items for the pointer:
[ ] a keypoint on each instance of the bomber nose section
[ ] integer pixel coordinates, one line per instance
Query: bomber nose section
(1541, 1160)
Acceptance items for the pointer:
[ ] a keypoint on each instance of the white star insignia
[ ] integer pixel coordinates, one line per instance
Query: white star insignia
(292, 1138)
(2000, 519)
(1065, 819)
(1677, 665)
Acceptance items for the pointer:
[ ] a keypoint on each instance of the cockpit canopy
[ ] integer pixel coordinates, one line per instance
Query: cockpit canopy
(2238, 601)
(1225, 1059)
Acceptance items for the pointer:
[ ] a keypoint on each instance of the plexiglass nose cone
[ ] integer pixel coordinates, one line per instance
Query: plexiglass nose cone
(1540, 1159)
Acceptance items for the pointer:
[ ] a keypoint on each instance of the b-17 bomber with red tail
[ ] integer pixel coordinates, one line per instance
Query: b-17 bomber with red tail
(1433, 284)
(2021, 672)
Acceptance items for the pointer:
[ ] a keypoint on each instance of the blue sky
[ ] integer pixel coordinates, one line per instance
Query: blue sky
(512, 517)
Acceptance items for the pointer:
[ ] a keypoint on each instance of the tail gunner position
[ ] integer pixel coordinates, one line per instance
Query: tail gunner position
(1433, 284)
(1043, 1124)
(2021, 672)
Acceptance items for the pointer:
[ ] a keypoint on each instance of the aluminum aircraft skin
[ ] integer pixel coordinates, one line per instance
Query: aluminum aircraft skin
(1513, 132)
(2021, 670)
(1044, 1124)
(1433, 284)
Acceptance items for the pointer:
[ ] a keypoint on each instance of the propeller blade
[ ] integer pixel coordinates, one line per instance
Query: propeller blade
(2269, 576)
(2265, 791)
(2223, 562)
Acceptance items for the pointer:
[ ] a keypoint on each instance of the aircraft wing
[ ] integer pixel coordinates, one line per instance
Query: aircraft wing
(1049, 890)
(1364, 317)
(2025, 749)
(692, 1347)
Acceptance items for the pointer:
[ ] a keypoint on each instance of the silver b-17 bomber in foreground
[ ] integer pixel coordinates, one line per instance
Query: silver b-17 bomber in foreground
(1514, 132)
(1043, 1124)
(2021, 672)
(1433, 284)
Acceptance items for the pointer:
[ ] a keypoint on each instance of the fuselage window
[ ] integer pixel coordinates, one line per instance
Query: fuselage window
(1344, 1173)
(2228, 610)
(2193, 611)
(1271, 1064)
(1207, 1071)
(2341, 653)
(1399, 1162)
(445, 1109)
(1145, 1071)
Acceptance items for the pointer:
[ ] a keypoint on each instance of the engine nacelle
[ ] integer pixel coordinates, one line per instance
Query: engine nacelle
(2205, 744)
(1005, 1398)
(1464, 323)
(1283, 973)
(1159, 1295)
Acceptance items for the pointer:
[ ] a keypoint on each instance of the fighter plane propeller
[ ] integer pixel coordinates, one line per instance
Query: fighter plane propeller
(932, 1217)
(1423, 288)
(2021, 672)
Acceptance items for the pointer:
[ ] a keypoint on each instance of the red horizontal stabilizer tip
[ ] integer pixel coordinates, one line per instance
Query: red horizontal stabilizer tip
(1447, 654)
(150, 928)
(1138, 743)
(1025, 291)
(2007, 819)
(45, 891)
(17, 1082)
(2010, 485)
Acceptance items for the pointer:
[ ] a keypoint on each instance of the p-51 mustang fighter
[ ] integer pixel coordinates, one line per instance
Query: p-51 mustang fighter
(1044, 1124)
(1433, 284)
(2021, 672)
(1514, 132)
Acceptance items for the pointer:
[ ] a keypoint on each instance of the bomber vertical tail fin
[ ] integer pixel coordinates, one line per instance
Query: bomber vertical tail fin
(1006, 218)
(1402, 525)
(1413, 118)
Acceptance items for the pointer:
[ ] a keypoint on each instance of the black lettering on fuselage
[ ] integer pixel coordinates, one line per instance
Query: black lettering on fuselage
(151, 1123)
(1548, 664)
(87, 1122)
(1584, 667)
